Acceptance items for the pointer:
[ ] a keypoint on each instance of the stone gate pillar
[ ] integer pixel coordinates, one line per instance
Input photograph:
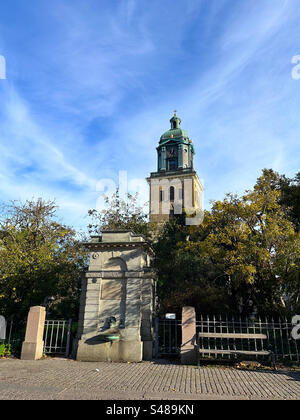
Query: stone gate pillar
(188, 328)
(117, 300)
(32, 347)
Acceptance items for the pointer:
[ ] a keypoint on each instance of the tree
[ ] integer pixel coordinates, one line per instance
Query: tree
(291, 197)
(165, 248)
(120, 214)
(39, 257)
(289, 193)
(246, 253)
(255, 244)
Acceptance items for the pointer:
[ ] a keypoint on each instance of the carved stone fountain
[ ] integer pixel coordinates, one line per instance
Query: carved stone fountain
(117, 300)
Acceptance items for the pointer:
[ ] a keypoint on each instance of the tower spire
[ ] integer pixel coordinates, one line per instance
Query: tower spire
(175, 180)
(175, 121)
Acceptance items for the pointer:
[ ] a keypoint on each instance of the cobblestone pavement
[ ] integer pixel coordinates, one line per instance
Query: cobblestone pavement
(67, 379)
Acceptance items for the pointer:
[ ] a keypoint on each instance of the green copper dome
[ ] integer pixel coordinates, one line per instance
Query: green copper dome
(175, 151)
(175, 132)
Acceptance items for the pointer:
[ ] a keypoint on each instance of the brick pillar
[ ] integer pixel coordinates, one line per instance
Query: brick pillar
(188, 352)
(32, 347)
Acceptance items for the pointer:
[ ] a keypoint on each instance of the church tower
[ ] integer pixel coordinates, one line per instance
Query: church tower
(175, 187)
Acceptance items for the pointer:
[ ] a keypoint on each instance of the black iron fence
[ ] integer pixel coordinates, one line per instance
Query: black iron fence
(277, 331)
(14, 337)
(168, 337)
(57, 337)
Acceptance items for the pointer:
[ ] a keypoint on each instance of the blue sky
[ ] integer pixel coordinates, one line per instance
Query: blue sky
(91, 85)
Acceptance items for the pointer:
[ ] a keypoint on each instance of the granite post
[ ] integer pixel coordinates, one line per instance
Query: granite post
(32, 347)
(188, 351)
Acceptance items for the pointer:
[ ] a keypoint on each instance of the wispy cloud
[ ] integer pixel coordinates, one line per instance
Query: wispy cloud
(93, 85)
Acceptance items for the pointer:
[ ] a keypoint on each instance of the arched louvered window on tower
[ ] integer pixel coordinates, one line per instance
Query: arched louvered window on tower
(161, 195)
(172, 193)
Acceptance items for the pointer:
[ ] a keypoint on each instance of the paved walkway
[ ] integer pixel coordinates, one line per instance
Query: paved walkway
(68, 379)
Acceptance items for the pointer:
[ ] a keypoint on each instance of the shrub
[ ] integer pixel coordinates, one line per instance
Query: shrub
(5, 350)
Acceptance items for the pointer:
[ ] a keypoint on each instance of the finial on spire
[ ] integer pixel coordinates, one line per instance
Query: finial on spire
(175, 111)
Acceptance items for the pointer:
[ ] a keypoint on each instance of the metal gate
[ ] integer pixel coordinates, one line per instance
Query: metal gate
(57, 337)
(167, 338)
(15, 335)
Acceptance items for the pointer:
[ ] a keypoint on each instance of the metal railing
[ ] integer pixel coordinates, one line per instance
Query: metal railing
(278, 333)
(168, 337)
(15, 335)
(57, 337)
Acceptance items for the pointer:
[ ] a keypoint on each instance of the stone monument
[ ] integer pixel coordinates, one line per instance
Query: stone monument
(117, 300)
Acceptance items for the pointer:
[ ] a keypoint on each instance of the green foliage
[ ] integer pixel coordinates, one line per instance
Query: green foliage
(5, 350)
(120, 214)
(39, 257)
(291, 197)
(245, 254)
(208, 300)
(165, 248)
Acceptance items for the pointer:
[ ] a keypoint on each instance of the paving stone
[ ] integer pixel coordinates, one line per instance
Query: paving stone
(56, 379)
